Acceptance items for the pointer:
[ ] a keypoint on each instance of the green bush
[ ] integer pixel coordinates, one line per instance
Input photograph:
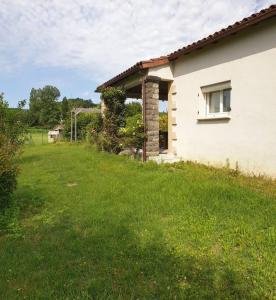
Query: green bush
(93, 130)
(132, 109)
(83, 122)
(163, 122)
(8, 173)
(133, 133)
(11, 138)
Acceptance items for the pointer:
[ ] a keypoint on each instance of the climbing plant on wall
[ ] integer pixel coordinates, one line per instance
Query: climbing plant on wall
(114, 118)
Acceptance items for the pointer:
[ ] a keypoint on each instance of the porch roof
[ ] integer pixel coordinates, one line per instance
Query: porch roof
(229, 31)
(141, 65)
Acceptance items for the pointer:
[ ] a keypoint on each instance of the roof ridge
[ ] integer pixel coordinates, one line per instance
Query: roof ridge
(225, 31)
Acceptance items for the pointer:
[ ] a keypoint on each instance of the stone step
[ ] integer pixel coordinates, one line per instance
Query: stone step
(165, 158)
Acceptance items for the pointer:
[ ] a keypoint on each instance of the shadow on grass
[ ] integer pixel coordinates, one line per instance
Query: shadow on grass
(24, 202)
(105, 259)
(29, 158)
(155, 271)
(29, 199)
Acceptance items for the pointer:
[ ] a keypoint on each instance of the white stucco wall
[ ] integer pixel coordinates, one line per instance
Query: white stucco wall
(164, 72)
(249, 137)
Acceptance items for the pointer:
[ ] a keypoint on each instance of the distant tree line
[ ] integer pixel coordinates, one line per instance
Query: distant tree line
(45, 109)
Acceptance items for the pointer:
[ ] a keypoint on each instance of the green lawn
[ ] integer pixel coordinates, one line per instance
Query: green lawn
(37, 136)
(97, 226)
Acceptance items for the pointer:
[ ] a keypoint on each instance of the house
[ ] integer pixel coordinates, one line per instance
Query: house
(221, 93)
(55, 134)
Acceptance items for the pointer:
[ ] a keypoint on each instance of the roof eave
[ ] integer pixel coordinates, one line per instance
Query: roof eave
(142, 65)
(226, 32)
(135, 68)
(254, 19)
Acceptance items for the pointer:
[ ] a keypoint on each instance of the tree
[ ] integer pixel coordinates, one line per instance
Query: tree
(65, 109)
(79, 102)
(68, 104)
(44, 106)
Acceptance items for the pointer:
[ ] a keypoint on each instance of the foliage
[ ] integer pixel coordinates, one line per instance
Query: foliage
(65, 109)
(114, 118)
(133, 133)
(8, 173)
(67, 104)
(163, 122)
(36, 136)
(20, 114)
(44, 107)
(137, 231)
(132, 109)
(11, 138)
(93, 130)
(83, 120)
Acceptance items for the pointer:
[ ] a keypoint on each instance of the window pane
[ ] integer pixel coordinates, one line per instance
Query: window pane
(226, 100)
(214, 105)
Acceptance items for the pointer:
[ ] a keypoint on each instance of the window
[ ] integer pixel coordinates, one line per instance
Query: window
(215, 102)
(226, 100)
(218, 102)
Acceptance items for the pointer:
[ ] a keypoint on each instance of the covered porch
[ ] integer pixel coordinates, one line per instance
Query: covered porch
(150, 81)
(151, 89)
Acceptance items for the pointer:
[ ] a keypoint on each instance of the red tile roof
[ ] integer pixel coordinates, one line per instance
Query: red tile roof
(141, 65)
(213, 38)
(225, 32)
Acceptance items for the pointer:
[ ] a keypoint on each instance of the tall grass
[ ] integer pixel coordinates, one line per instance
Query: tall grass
(99, 226)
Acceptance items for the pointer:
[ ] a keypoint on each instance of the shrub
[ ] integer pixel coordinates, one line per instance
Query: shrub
(163, 130)
(133, 133)
(114, 118)
(93, 130)
(83, 121)
(163, 122)
(8, 173)
(132, 109)
(11, 138)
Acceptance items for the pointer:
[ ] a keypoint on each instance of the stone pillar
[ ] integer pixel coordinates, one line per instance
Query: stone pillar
(151, 116)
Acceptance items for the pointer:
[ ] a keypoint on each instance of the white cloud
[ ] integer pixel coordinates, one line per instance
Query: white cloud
(102, 37)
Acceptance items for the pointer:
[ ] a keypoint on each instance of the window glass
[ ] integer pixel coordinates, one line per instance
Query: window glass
(226, 100)
(214, 105)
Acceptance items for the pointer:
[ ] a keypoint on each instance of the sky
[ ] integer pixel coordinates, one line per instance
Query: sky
(76, 45)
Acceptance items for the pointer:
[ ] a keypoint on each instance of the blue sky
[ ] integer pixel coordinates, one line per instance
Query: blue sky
(77, 44)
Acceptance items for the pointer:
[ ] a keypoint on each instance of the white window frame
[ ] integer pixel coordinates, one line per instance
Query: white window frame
(208, 103)
(206, 91)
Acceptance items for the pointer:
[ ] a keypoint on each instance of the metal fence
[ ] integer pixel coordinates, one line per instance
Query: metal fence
(37, 137)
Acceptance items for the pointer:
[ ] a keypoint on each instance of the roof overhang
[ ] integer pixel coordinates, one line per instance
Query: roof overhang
(139, 68)
(233, 29)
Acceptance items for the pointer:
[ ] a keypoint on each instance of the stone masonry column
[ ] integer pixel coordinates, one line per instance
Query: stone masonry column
(150, 92)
